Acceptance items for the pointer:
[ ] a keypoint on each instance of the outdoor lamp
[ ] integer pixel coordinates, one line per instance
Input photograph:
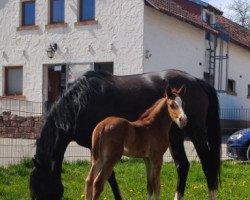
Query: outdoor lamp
(51, 50)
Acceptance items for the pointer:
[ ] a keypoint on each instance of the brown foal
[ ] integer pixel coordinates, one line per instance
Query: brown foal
(145, 138)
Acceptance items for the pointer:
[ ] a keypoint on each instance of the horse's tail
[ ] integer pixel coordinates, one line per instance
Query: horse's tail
(213, 133)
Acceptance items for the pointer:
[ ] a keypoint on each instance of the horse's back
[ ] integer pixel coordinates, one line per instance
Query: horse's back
(129, 96)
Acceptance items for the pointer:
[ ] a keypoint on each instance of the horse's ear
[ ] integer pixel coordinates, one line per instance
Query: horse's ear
(168, 92)
(182, 90)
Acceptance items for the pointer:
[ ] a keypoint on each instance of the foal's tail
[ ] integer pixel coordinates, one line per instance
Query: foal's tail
(96, 142)
(213, 133)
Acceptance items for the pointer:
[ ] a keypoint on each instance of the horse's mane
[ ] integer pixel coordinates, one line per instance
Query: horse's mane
(64, 113)
(66, 110)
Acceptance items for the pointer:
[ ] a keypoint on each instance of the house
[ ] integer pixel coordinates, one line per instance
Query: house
(47, 44)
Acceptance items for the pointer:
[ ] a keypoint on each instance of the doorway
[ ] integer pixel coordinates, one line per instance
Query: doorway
(58, 77)
(56, 83)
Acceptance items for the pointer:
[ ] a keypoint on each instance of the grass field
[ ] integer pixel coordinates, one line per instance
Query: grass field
(235, 180)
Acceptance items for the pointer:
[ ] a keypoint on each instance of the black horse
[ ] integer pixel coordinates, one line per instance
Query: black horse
(97, 95)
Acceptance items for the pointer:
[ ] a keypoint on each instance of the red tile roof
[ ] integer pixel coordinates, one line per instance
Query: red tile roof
(239, 34)
(190, 11)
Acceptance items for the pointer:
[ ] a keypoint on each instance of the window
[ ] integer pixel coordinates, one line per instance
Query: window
(87, 10)
(13, 80)
(28, 13)
(231, 87)
(107, 67)
(56, 11)
(209, 18)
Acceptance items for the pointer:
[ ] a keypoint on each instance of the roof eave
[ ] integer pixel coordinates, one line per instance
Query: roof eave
(240, 44)
(182, 18)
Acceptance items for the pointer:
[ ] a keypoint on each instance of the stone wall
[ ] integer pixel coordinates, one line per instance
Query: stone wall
(14, 126)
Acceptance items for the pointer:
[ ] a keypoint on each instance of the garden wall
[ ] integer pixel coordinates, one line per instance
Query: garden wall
(14, 126)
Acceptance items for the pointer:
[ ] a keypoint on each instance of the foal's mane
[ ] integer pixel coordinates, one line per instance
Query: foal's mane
(155, 109)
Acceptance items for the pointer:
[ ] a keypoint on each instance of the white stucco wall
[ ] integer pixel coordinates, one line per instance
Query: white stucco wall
(173, 44)
(176, 44)
(130, 27)
(120, 23)
(239, 70)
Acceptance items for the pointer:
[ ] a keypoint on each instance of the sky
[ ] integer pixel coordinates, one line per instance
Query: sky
(221, 5)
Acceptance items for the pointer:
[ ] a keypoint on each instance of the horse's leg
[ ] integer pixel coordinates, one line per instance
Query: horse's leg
(149, 181)
(206, 158)
(180, 158)
(114, 186)
(155, 173)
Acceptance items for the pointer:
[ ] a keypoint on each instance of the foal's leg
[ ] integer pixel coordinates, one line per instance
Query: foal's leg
(180, 158)
(90, 180)
(155, 173)
(103, 176)
(149, 181)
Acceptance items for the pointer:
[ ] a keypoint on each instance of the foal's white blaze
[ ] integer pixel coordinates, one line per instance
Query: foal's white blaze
(178, 101)
(182, 116)
(211, 195)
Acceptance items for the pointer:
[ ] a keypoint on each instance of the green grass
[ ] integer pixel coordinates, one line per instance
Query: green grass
(235, 180)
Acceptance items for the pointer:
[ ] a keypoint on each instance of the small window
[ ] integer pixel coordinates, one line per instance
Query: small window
(13, 80)
(28, 13)
(56, 11)
(231, 85)
(107, 67)
(87, 10)
(208, 18)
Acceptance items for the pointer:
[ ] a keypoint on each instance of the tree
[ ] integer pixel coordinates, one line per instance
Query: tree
(240, 12)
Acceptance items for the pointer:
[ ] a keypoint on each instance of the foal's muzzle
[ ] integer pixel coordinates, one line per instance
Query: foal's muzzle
(182, 121)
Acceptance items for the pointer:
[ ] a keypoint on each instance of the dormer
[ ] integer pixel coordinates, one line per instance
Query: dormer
(208, 17)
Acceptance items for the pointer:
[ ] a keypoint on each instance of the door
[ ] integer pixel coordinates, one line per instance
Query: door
(56, 82)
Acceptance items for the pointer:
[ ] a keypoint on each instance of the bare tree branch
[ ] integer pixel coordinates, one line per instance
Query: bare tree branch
(240, 12)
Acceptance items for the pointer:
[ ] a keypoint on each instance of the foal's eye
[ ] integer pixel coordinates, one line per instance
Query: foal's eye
(173, 106)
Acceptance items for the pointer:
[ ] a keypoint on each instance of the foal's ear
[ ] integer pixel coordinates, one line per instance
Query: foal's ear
(168, 92)
(182, 90)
